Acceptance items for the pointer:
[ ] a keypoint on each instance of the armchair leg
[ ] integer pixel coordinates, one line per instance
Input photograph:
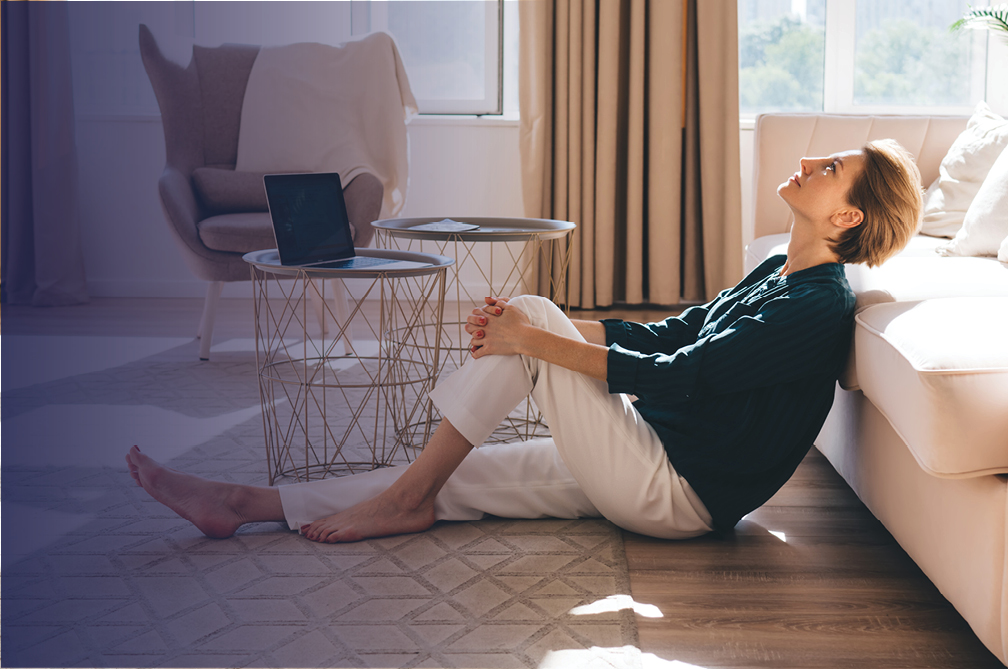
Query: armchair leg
(205, 333)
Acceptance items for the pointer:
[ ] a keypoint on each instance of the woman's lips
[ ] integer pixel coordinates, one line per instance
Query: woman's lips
(794, 178)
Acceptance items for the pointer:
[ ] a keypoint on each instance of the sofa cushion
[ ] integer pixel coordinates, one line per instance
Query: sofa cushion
(986, 221)
(237, 233)
(938, 371)
(962, 171)
(918, 273)
(222, 190)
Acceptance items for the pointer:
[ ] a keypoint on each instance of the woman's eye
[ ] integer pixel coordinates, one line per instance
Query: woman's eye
(832, 166)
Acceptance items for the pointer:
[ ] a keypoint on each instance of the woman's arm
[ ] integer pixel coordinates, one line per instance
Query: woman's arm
(587, 358)
(592, 331)
(500, 329)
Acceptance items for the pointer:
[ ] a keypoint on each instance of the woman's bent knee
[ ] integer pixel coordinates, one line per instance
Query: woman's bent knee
(544, 313)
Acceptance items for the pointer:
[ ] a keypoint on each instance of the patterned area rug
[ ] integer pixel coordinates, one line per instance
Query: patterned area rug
(96, 573)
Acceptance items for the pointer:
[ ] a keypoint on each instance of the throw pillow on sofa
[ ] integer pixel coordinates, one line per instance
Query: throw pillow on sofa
(962, 171)
(986, 221)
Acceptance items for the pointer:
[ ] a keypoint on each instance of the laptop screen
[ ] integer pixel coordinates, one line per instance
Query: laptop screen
(309, 217)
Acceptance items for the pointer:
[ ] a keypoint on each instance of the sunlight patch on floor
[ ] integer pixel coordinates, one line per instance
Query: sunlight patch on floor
(97, 435)
(625, 657)
(32, 359)
(618, 603)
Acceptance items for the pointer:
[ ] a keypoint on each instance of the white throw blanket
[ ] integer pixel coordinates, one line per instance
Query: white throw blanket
(318, 108)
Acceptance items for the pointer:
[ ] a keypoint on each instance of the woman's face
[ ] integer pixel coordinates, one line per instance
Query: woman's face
(818, 190)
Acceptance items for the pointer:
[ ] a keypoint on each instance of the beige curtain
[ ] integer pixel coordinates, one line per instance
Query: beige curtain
(41, 261)
(629, 128)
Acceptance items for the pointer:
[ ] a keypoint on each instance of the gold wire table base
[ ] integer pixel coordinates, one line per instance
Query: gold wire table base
(333, 404)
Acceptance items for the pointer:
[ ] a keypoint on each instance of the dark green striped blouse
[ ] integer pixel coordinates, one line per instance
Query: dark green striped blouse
(738, 389)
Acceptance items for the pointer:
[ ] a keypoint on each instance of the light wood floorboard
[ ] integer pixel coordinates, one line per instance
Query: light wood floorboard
(831, 589)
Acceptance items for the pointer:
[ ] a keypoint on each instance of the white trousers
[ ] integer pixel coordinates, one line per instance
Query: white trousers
(603, 458)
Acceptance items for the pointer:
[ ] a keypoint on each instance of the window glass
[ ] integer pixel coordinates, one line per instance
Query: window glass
(905, 54)
(441, 44)
(781, 55)
(451, 51)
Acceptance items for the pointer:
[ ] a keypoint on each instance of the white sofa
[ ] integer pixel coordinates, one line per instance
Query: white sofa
(919, 425)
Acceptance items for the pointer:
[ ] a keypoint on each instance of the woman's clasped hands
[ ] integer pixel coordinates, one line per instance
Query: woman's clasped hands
(497, 328)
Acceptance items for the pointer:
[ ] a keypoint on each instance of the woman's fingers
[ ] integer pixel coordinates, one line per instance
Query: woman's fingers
(491, 301)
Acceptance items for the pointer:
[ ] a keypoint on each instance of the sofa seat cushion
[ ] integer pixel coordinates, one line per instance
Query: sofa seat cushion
(938, 371)
(238, 233)
(916, 273)
(919, 273)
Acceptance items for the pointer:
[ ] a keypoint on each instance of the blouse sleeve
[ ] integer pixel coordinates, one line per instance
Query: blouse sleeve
(788, 338)
(660, 337)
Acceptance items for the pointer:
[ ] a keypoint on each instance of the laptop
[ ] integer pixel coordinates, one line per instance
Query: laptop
(311, 225)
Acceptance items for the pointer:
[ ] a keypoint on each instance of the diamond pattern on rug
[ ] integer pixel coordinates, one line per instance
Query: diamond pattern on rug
(98, 573)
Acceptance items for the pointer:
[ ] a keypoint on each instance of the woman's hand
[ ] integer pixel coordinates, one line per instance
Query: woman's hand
(497, 329)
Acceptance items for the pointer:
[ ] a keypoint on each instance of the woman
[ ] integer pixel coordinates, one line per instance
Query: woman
(732, 394)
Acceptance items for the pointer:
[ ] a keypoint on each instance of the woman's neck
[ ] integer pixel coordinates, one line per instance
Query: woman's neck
(806, 250)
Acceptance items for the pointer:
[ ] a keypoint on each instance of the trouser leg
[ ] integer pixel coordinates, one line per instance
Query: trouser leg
(518, 480)
(614, 455)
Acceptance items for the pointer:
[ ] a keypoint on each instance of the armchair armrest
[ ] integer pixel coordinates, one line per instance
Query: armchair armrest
(182, 212)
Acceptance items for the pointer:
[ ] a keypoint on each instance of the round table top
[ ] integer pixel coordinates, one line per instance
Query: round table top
(268, 260)
(491, 229)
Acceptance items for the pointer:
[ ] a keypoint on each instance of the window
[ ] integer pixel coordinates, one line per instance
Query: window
(453, 51)
(781, 55)
(868, 56)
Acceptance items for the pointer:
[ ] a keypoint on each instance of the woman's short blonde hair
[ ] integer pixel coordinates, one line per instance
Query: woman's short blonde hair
(888, 192)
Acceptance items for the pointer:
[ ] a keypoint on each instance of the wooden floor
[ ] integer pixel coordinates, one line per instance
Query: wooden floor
(811, 579)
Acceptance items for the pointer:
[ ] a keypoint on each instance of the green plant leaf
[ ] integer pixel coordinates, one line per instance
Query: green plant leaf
(993, 18)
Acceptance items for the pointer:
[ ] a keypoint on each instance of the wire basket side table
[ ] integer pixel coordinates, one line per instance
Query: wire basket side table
(329, 413)
(543, 258)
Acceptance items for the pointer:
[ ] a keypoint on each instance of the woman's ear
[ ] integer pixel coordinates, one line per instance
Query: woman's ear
(847, 218)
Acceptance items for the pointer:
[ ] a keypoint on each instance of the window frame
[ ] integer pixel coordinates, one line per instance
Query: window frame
(838, 68)
(372, 15)
(839, 63)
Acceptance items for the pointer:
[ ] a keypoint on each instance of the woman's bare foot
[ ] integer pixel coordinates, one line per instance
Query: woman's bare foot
(380, 516)
(212, 506)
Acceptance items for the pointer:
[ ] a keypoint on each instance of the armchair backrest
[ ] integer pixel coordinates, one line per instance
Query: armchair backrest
(200, 103)
(782, 139)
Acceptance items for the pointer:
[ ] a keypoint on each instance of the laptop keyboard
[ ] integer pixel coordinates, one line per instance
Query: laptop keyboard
(354, 263)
